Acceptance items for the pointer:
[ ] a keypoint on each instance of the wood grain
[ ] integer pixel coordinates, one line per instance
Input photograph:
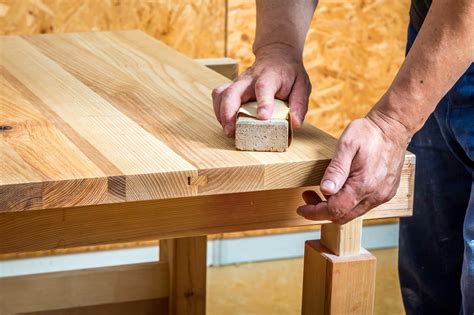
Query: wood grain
(142, 307)
(80, 288)
(187, 261)
(335, 284)
(114, 117)
(195, 28)
(227, 67)
(343, 240)
(158, 219)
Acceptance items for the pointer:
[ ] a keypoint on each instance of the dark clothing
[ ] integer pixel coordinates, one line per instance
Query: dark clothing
(418, 11)
(436, 262)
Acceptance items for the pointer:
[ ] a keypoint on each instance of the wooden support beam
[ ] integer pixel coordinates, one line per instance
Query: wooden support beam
(159, 219)
(187, 259)
(343, 240)
(83, 288)
(228, 67)
(143, 307)
(336, 285)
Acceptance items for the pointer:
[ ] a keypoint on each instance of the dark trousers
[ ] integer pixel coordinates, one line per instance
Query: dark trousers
(436, 262)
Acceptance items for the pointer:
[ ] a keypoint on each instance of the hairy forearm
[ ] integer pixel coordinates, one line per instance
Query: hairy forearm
(283, 24)
(443, 50)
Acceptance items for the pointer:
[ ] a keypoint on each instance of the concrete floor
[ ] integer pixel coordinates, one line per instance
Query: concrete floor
(274, 287)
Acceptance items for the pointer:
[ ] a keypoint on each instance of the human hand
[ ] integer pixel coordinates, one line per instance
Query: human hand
(277, 72)
(364, 173)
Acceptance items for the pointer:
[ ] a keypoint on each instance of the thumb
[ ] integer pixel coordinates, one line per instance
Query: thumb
(338, 169)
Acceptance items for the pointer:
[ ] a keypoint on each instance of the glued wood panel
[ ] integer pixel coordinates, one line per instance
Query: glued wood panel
(114, 117)
(352, 52)
(195, 28)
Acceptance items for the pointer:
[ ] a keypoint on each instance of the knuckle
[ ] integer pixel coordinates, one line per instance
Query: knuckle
(341, 221)
(346, 143)
(383, 197)
(336, 167)
(215, 92)
(391, 194)
(229, 92)
(261, 85)
(370, 186)
(336, 213)
(227, 116)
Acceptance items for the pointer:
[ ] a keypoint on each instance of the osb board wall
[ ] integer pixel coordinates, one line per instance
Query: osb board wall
(353, 50)
(196, 28)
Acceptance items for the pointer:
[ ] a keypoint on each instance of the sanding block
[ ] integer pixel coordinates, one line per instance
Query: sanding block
(272, 135)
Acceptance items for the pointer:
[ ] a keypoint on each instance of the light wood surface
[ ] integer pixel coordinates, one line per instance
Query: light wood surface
(158, 219)
(80, 288)
(228, 67)
(336, 285)
(114, 117)
(343, 240)
(187, 261)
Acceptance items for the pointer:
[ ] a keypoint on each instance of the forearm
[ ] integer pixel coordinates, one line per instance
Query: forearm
(442, 52)
(283, 24)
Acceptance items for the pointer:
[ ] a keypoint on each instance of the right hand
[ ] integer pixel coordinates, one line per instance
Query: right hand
(276, 73)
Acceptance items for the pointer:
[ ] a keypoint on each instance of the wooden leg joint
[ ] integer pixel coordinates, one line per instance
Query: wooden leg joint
(337, 284)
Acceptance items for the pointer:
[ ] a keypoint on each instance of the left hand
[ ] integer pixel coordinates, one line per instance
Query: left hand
(364, 173)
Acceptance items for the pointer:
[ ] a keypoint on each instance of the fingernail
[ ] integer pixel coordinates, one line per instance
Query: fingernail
(299, 119)
(228, 129)
(328, 185)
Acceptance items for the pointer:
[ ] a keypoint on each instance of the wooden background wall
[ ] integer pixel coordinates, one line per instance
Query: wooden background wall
(196, 28)
(353, 50)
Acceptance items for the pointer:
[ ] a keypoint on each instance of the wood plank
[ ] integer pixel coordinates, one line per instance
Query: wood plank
(151, 220)
(144, 307)
(337, 284)
(187, 261)
(231, 235)
(343, 240)
(227, 67)
(78, 288)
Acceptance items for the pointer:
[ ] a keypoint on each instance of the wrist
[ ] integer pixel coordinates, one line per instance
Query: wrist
(400, 111)
(278, 48)
(392, 128)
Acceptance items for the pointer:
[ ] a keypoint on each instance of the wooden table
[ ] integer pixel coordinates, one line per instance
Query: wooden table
(111, 137)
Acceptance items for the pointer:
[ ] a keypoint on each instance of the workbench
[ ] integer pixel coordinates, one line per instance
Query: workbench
(109, 138)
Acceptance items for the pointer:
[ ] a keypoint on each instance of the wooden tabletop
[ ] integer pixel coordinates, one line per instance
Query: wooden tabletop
(94, 118)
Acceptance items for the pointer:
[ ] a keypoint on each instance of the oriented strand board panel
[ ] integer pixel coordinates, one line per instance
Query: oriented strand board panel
(352, 52)
(195, 28)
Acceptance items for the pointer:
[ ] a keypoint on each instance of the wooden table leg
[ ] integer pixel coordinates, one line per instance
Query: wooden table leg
(187, 262)
(339, 276)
